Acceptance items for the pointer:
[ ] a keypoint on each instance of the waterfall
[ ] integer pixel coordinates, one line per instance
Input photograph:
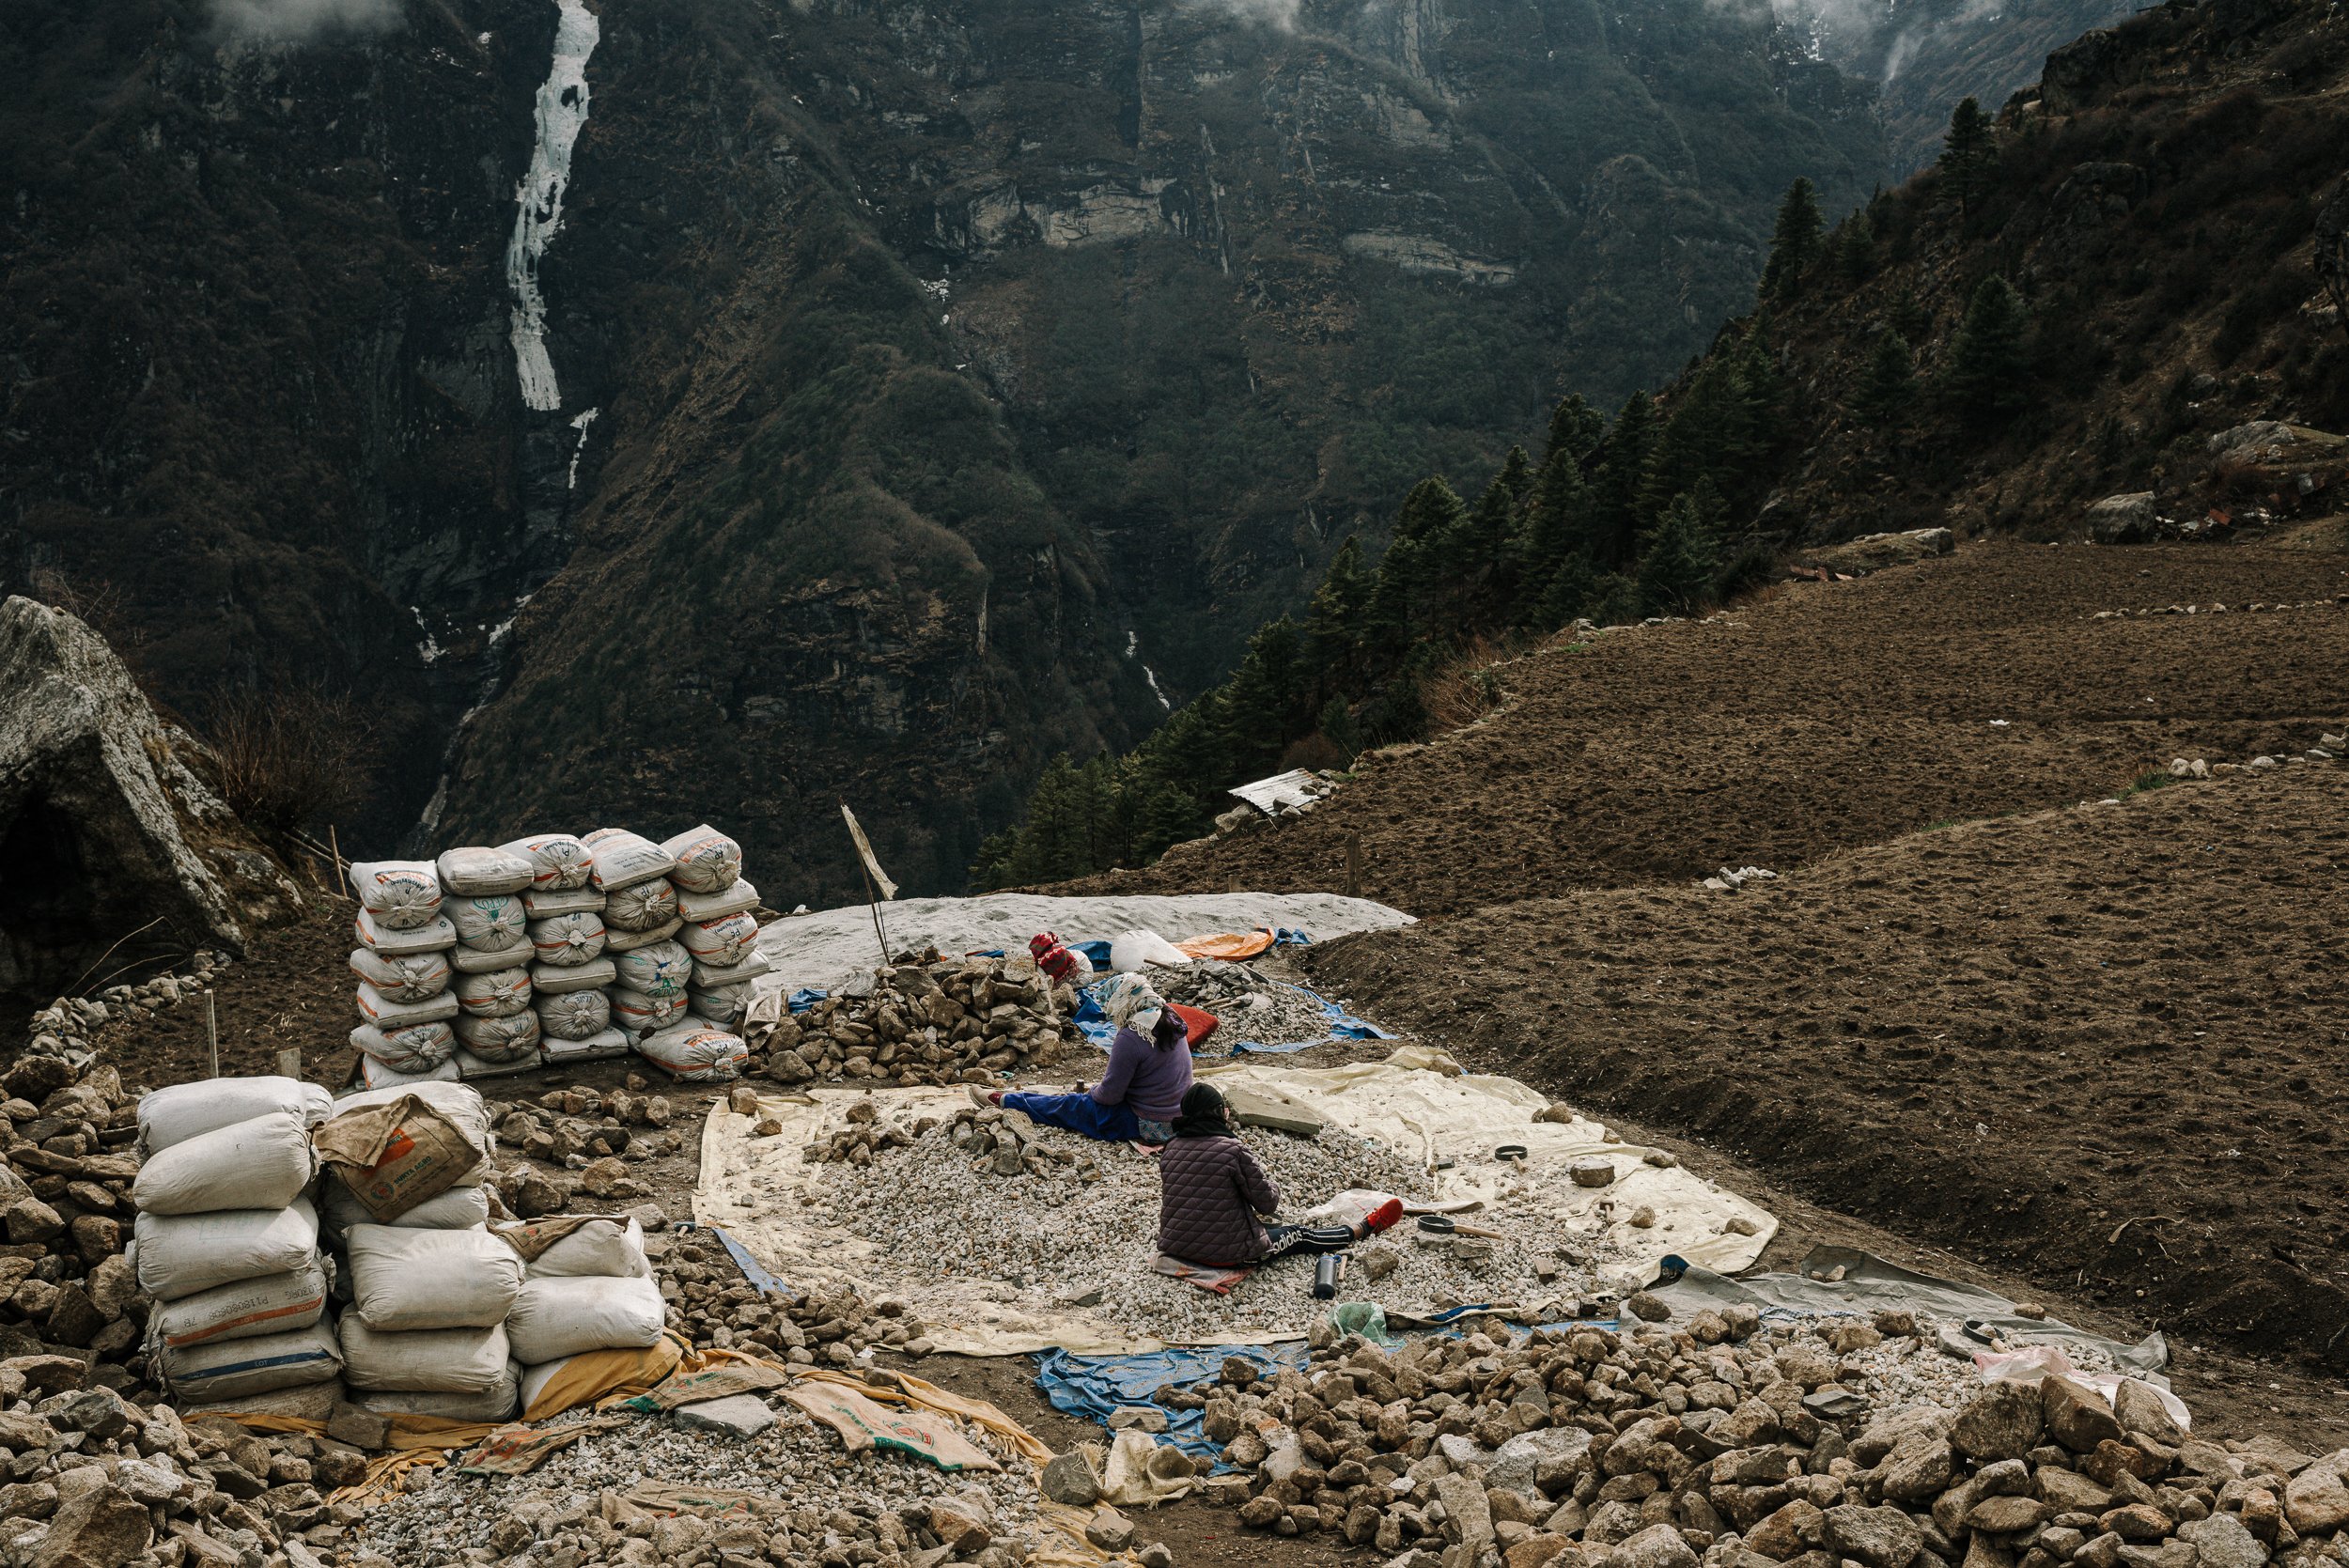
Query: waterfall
(562, 110)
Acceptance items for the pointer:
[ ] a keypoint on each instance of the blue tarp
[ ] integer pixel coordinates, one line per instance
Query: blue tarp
(1091, 1386)
(806, 998)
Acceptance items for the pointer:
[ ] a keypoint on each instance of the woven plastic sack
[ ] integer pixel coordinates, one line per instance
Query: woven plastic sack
(259, 1164)
(473, 960)
(259, 1365)
(412, 1049)
(566, 901)
(641, 908)
(695, 1053)
(722, 943)
(185, 1110)
(574, 1015)
(177, 1256)
(272, 1304)
(567, 940)
(499, 1404)
(499, 1039)
(404, 1278)
(459, 1208)
(491, 923)
(424, 1361)
(433, 936)
(639, 1014)
(496, 995)
(472, 1066)
(383, 1013)
(546, 980)
(379, 1075)
(616, 941)
(707, 859)
(473, 871)
(737, 897)
(309, 1401)
(554, 1318)
(711, 977)
(658, 971)
(400, 894)
(558, 861)
(403, 977)
(599, 1249)
(624, 859)
(459, 1104)
(724, 1007)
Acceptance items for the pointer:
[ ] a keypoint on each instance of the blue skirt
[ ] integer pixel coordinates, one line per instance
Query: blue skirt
(1083, 1113)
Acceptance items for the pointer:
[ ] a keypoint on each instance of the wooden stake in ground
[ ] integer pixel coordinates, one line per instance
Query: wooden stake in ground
(877, 883)
(289, 1062)
(1353, 865)
(212, 1030)
(335, 846)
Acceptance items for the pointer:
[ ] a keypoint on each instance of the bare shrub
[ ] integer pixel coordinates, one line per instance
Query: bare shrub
(1464, 688)
(293, 757)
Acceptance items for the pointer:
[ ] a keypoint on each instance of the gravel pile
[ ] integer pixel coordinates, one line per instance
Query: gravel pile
(944, 1021)
(821, 1504)
(1064, 1220)
(1247, 1004)
(1715, 1441)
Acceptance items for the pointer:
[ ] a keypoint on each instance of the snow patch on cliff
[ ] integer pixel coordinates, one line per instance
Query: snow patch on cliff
(579, 451)
(562, 110)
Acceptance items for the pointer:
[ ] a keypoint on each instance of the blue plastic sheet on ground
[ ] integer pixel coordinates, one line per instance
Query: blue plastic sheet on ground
(752, 1268)
(1096, 952)
(806, 998)
(1284, 937)
(1091, 1386)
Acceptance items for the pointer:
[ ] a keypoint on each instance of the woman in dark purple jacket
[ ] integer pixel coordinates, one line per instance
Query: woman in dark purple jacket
(1211, 1190)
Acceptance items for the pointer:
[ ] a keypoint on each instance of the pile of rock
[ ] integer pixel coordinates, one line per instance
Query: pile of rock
(717, 1309)
(1660, 1447)
(1247, 1004)
(65, 1026)
(594, 1138)
(65, 1169)
(953, 1020)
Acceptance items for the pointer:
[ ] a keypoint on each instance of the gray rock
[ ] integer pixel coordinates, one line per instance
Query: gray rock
(1070, 1479)
(1880, 1537)
(80, 747)
(1138, 1418)
(2003, 1421)
(2222, 1542)
(736, 1416)
(1468, 1515)
(1656, 1547)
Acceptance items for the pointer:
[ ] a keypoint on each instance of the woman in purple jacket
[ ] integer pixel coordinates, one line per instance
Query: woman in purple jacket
(1211, 1190)
(1142, 1089)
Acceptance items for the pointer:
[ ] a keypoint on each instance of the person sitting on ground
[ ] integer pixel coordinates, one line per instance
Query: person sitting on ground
(1211, 1190)
(1062, 966)
(1142, 1087)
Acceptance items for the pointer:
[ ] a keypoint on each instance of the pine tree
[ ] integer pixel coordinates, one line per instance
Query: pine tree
(1262, 697)
(1339, 619)
(1682, 558)
(1618, 468)
(1556, 521)
(1517, 477)
(1337, 726)
(1409, 573)
(1985, 377)
(1970, 154)
(1478, 560)
(1794, 241)
(1575, 429)
(1887, 385)
(1855, 248)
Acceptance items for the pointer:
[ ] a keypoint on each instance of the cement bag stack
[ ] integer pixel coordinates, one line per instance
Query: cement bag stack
(496, 1030)
(429, 1286)
(719, 937)
(640, 919)
(588, 1288)
(570, 975)
(226, 1243)
(404, 968)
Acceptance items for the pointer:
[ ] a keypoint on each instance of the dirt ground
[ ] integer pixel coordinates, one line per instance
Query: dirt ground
(2095, 1048)
(1824, 716)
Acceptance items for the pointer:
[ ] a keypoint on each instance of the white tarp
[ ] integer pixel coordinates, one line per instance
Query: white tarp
(1296, 788)
(824, 949)
(754, 1186)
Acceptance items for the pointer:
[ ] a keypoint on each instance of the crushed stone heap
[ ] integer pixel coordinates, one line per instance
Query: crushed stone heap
(937, 1021)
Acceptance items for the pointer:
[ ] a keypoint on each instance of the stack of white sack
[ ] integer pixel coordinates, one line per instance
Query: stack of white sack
(496, 1030)
(719, 934)
(404, 968)
(226, 1243)
(587, 1287)
(427, 1286)
(570, 974)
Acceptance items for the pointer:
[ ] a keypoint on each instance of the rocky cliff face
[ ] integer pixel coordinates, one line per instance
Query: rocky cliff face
(860, 398)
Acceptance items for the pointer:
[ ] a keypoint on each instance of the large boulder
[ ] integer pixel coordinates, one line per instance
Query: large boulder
(104, 830)
(1873, 552)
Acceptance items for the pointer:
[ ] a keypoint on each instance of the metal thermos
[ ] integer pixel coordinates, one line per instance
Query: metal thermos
(1326, 1273)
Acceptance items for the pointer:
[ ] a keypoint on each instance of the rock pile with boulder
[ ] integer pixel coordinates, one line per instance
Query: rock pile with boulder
(1719, 1443)
(946, 1021)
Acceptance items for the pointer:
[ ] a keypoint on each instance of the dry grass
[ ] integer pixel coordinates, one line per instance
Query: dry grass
(295, 758)
(1465, 688)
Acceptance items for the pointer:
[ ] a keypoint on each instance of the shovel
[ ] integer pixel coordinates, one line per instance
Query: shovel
(1443, 1224)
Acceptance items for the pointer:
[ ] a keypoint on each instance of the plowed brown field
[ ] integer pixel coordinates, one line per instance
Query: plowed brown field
(1832, 715)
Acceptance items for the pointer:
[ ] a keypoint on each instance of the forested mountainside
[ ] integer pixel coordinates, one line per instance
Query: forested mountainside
(2114, 312)
(864, 399)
